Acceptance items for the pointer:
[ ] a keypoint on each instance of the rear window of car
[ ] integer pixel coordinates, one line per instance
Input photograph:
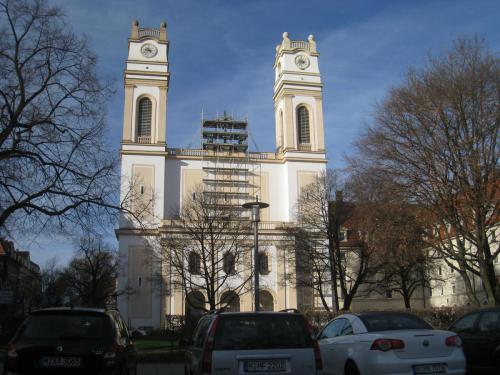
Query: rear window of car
(68, 327)
(240, 332)
(390, 322)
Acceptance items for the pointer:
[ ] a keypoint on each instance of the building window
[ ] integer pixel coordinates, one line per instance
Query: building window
(442, 290)
(229, 264)
(194, 263)
(440, 271)
(303, 125)
(453, 289)
(388, 293)
(144, 114)
(430, 292)
(263, 264)
(343, 235)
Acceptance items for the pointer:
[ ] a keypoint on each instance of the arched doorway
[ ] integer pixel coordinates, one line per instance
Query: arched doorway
(230, 301)
(194, 309)
(266, 301)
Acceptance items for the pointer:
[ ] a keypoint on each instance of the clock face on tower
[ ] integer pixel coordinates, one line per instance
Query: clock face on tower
(149, 50)
(302, 61)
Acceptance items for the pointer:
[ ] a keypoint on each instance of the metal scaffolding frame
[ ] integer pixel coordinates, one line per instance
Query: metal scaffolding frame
(230, 177)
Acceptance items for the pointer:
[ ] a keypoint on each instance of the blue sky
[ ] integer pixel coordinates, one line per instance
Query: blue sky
(222, 54)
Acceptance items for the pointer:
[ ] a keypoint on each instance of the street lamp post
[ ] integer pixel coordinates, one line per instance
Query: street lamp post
(255, 218)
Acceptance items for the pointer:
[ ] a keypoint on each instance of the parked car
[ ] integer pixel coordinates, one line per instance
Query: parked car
(71, 341)
(388, 343)
(480, 334)
(142, 331)
(260, 342)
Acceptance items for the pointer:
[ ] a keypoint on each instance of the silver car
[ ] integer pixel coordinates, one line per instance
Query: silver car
(253, 343)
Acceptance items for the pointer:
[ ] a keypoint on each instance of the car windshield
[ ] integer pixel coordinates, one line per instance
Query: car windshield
(390, 322)
(65, 327)
(265, 331)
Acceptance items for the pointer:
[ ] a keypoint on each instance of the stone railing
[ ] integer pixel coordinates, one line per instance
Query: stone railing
(144, 139)
(299, 44)
(304, 147)
(263, 225)
(153, 33)
(202, 153)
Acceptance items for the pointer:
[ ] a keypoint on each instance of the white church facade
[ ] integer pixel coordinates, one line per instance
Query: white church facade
(170, 174)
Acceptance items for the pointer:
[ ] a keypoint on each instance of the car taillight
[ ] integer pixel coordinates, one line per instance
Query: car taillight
(206, 364)
(11, 351)
(111, 353)
(455, 341)
(385, 345)
(317, 353)
(317, 356)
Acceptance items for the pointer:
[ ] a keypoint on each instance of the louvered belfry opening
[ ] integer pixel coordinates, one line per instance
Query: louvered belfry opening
(144, 116)
(303, 125)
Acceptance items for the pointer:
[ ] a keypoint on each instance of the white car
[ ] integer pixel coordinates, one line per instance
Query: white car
(388, 343)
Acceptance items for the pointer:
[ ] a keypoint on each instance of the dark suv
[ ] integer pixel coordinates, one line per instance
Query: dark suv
(262, 342)
(71, 341)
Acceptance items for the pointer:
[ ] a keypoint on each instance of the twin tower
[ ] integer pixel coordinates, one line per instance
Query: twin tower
(297, 93)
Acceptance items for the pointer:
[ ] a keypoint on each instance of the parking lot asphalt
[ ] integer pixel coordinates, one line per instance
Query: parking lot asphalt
(151, 368)
(160, 369)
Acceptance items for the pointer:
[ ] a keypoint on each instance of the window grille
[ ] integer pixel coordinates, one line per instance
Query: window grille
(144, 115)
(303, 125)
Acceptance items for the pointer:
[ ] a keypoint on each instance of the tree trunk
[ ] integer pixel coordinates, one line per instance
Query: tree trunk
(333, 273)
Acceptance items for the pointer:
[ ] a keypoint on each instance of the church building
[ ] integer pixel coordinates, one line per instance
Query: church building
(156, 173)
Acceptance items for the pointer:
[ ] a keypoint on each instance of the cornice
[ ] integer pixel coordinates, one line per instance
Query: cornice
(283, 92)
(281, 159)
(146, 82)
(146, 73)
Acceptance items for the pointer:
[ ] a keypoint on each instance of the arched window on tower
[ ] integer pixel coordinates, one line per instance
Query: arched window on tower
(144, 114)
(303, 125)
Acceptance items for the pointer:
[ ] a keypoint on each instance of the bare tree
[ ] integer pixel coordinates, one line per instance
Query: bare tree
(322, 212)
(209, 250)
(55, 164)
(400, 246)
(437, 133)
(90, 277)
(53, 287)
(313, 264)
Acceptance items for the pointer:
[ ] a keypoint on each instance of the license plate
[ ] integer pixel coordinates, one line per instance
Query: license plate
(61, 362)
(265, 365)
(438, 368)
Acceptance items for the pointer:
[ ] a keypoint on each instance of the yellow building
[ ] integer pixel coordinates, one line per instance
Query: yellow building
(163, 177)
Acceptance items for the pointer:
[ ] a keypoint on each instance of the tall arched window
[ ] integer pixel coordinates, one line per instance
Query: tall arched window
(303, 125)
(144, 114)
(264, 263)
(194, 263)
(229, 264)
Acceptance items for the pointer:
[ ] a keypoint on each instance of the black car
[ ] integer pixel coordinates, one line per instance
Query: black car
(71, 341)
(480, 334)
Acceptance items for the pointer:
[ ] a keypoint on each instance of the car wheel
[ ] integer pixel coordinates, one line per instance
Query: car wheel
(351, 369)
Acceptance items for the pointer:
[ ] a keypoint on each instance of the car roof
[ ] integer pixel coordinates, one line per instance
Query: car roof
(70, 310)
(368, 313)
(255, 313)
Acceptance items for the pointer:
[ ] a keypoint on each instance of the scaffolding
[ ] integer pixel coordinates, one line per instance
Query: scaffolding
(230, 178)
